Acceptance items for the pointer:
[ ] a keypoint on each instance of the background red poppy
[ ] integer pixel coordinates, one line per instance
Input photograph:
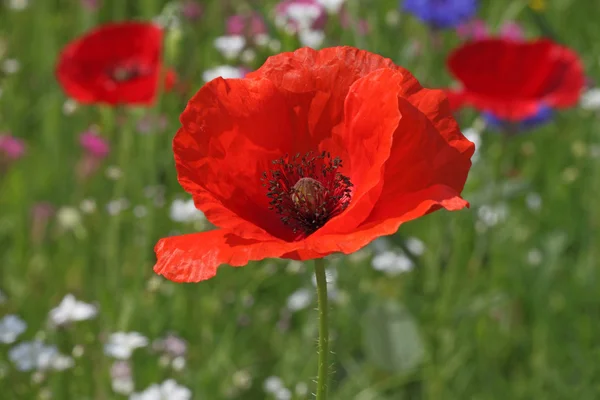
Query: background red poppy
(401, 149)
(511, 79)
(115, 64)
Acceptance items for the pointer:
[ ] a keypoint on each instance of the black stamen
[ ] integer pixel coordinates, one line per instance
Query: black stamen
(305, 198)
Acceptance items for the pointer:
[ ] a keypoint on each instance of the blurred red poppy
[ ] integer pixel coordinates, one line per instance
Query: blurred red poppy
(315, 152)
(116, 63)
(512, 79)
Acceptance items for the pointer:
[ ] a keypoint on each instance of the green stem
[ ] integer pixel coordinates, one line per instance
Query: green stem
(323, 329)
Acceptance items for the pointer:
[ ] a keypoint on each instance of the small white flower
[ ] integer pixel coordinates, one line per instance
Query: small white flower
(11, 326)
(492, 215)
(534, 257)
(28, 356)
(474, 136)
(62, 362)
(69, 107)
(230, 46)
(121, 379)
(311, 38)
(302, 16)
(272, 384)
(299, 300)
(534, 201)
(301, 389)
(392, 18)
(248, 56)
(140, 211)
(274, 45)
(11, 66)
(332, 6)
(123, 385)
(115, 207)
(88, 206)
(68, 217)
(178, 363)
(283, 394)
(392, 263)
(113, 173)
(185, 211)
(262, 39)
(242, 379)
(590, 100)
(169, 389)
(70, 309)
(415, 246)
(122, 344)
(223, 71)
(17, 5)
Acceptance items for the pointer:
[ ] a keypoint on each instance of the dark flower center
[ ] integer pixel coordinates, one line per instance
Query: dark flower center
(127, 72)
(307, 191)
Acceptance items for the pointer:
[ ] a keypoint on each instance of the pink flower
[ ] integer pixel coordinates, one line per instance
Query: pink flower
(91, 5)
(512, 30)
(40, 216)
(11, 147)
(94, 145)
(475, 29)
(191, 10)
(252, 25)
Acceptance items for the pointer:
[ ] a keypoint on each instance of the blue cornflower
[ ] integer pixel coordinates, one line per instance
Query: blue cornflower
(441, 13)
(543, 115)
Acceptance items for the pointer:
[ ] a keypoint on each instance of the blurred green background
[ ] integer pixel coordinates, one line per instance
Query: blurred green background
(500, 301)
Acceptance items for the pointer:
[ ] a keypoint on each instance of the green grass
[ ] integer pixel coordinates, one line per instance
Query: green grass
(475, 319)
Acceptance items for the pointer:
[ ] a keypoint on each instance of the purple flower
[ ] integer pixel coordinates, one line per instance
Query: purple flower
(543, 115)
(93, 144)
(11, 148)
(441, 13)
(252, 24)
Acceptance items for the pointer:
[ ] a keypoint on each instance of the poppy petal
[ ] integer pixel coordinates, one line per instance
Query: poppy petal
(371, 118)
(324, 77)
(195, 257)
(85, 65)
(511, 78)
(432, 157)
(231, 132)
(406, 208)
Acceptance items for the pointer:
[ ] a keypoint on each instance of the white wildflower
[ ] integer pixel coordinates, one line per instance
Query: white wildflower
(223, 71)
(70, 309)
(185, 211)
(169, 389)
(590, 100)
(392, 262)
(299, 300)
(311, 38)
(230, 46)
(122, 344)
(11, 326)
(415, 246)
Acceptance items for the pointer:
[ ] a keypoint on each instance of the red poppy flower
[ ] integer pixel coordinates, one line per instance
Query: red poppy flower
(114, 64)
(315, 152)
(512, 79)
